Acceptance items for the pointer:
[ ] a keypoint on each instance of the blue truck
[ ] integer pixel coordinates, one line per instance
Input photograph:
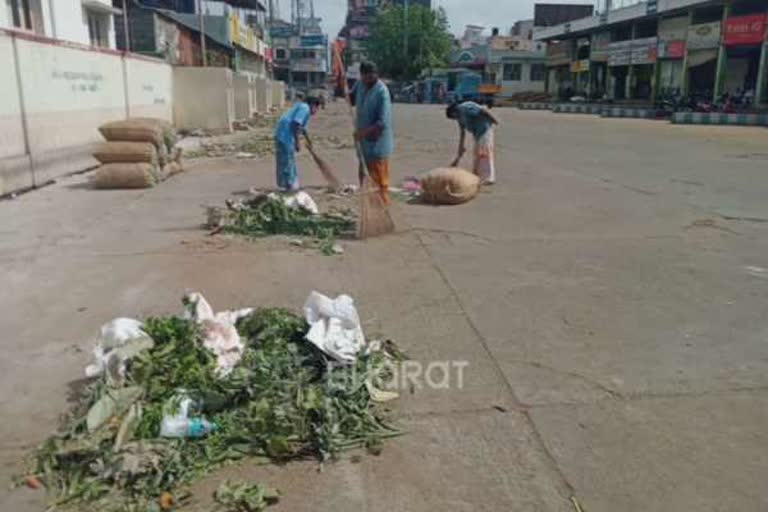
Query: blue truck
(470, 87)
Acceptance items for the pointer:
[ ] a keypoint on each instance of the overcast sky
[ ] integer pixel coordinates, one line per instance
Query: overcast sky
(490, 13)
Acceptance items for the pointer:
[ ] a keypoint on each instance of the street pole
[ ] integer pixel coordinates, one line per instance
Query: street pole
(202, 32)
(126, 33)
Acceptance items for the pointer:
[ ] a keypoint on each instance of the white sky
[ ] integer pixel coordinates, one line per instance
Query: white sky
(490, 13)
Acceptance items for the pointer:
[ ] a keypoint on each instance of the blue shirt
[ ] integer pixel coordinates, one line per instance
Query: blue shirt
(374, 107)
(298, 114)
(472, 119)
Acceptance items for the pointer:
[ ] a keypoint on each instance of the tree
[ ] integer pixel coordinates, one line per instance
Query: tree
(403, 42)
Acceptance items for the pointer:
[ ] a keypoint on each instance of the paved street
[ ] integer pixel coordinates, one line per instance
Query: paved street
(609, 294)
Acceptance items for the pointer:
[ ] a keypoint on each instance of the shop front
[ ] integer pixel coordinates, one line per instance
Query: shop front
(559, 77)
(644, 55)
(672, 48)
(619, 61)
(744, 38)
(599, 55)
(703, 43)
(580, 72)
(580, 67)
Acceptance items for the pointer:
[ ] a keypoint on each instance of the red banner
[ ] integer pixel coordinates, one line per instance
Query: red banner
(745, 30)
(675, 49)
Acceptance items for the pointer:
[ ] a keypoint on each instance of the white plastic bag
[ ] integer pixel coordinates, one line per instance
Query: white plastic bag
(334, 326)
(118, 341)
(298, 200)
(220, 335)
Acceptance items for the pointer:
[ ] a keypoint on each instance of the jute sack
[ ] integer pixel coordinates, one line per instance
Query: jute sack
(449, 186)
(170, 137)
(136, 175)
(133, 130)
(126, 152)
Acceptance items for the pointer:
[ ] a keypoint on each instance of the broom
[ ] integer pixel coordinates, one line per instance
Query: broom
(375, 219)
(374, 215)
(325, 169)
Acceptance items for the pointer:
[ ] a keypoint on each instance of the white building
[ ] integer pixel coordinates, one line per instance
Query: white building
(473, 36)
(89, 22)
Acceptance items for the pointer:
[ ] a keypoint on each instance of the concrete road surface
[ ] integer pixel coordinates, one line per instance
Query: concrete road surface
(609, 295)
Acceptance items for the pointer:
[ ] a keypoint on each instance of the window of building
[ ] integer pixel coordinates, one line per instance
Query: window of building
(513, 72)
(26, 15)
(303, 54)
(98, 29)
(281, 54)
(538, 72)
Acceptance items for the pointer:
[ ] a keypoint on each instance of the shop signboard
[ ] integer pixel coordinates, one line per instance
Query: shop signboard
(671, 49)
(580, 66)
(558, 54)
(620, 53)
(644, 51)
(705, 36)
(745, 30)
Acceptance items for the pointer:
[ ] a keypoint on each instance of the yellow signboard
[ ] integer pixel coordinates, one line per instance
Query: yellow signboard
(580, 66)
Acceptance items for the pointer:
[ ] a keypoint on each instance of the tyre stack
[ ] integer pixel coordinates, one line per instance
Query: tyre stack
(138, 153)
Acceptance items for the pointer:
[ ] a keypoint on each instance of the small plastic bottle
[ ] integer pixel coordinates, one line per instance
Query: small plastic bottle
(181, 425)
(186, 427)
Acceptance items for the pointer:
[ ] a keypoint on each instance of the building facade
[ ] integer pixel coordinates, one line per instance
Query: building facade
(301, 53)
(659, 48)
(234, 36)
(88, 22)
(515, 64)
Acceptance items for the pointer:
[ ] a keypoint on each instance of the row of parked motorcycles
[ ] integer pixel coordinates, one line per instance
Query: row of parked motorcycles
(728, 103)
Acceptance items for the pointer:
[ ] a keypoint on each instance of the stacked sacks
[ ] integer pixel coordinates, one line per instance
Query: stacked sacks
(449, 186)
(139, 153)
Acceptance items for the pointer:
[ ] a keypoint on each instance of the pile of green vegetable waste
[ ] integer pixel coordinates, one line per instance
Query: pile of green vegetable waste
(270, 215)
(282, 401)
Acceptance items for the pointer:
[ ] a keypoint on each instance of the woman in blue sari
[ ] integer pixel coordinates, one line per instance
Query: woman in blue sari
(288, 141)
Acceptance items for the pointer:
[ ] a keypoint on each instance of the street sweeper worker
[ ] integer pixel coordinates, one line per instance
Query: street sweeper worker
(480, 122)
(288, 141)
(373, 125)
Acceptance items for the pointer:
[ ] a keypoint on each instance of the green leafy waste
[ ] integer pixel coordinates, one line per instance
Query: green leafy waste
(244, 497)
(283, 401)
(268, 216)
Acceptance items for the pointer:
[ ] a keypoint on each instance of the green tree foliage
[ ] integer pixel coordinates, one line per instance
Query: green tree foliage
(404, 43)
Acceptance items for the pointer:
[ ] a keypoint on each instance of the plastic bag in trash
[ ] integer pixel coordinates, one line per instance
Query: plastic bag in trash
(220, 335)
(297, 200)
(118, 341)
(334, 326)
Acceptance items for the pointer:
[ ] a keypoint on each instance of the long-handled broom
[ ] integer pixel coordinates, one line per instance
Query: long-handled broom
(325, 169)
(375, 219)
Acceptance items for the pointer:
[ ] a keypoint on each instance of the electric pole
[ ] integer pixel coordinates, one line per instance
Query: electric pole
(202, 33)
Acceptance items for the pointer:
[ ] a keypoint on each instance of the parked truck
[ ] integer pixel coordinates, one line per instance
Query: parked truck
(470, 87)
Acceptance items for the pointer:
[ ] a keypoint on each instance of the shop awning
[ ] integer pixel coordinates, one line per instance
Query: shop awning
(699, 57)
(100, 7)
